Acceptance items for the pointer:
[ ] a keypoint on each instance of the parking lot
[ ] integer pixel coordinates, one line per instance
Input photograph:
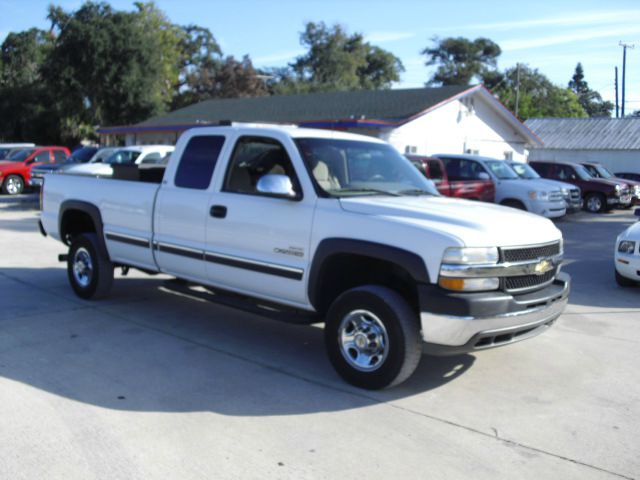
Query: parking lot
(153, 383)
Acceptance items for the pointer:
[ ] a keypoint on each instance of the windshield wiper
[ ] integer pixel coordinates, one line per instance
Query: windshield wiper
(368, 190)
(416, 191)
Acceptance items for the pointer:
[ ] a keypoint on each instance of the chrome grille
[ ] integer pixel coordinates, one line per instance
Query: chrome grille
(526, 282)
(555, 196)
(523, 254)
(575, 194)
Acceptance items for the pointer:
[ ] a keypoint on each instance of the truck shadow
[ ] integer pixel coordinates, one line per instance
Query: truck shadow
(148, 349)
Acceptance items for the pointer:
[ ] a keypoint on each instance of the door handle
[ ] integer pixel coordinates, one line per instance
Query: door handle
(218, 211)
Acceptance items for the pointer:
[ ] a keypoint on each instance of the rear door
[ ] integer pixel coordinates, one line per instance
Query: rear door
(438, 177)
(258, 243)
(465, 181)
(182, 208)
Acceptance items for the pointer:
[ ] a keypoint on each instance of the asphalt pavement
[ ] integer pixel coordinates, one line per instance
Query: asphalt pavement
(153, 384)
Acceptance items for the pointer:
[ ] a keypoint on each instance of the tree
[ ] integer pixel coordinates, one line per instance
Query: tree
(460, 60)
(590, 100)
(336, 60)
(538, 96)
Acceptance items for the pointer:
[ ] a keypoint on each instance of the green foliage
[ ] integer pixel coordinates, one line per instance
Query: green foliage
(539, 97)
(460, 60)
(335, 61)
(590, 100)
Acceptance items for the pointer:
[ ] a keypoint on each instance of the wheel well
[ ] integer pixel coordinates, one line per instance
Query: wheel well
(73, 223)
(513, 201)
(341, 272)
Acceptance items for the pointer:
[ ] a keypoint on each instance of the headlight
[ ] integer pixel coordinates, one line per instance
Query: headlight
(618, 188)
(538, 195)
(470, 255)
(626, 246)
(636, 190)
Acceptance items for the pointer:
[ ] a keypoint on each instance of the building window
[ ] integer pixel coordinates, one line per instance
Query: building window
(508, 155)
(471, 151)
(409, 149)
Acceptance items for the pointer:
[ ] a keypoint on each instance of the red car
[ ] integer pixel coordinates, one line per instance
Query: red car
(457, 177)
(16, 171)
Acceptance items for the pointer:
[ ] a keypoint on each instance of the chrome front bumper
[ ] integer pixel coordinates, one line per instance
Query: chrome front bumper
(446, 334)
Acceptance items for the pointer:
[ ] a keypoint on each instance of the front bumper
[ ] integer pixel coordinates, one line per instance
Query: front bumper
(623, 201)
(549, 209)
(454, 323)
(628, 266)
(36, 181)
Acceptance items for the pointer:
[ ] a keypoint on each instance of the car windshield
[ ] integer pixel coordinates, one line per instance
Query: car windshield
(603, 172)
(21, 155)
(351, 167)
(501, 170)
(123, 157)
(82, 155)
(583, 173)
(102, 154)
(4, 152)
(524, 171)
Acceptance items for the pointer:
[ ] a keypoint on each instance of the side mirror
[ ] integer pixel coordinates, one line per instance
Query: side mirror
(277, 185)
(483, 176)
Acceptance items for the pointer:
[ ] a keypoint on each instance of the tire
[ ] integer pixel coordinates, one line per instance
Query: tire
(595, 203)
(379, 316)
(624, 281)
(514, 204)
(13, 185)
(89, 270)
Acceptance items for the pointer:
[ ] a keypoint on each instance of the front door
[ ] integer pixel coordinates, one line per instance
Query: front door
(258, 243)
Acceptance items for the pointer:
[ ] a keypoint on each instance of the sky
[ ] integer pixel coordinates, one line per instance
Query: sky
(552, 36)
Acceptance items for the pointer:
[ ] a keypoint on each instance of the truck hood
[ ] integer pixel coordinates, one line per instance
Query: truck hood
(6, 165)
(525, 185)
(557, 184)
(474, 224)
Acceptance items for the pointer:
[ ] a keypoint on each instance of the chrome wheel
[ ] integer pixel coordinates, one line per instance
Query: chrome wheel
(14, 185)
(594, 203)
(82, 267)
(363, 339)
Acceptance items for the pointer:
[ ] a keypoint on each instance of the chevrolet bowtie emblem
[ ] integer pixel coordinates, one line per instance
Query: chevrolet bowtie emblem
(543, 267)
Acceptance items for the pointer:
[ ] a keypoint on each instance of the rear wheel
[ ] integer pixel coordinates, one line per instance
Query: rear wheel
(624, 281)
(373, 337)
(13, 185)
(595, 203)
(88, 267)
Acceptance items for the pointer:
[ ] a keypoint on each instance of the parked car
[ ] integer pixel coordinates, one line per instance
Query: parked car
(133, 155)
(628, 176)
(7, 148)
(82, 155)
(349, 233)
(627, 255)
(16, 172)
(598, 194)
(571, 193)
(600, 171)
(460, 178)
(510, 190)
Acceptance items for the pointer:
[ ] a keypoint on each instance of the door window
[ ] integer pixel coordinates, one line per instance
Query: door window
(59, 156)
(42, 157)
(253, 158)
(459, 169)
(198, 161)
(435, 171)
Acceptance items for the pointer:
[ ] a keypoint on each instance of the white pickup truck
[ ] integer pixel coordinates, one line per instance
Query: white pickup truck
(319, 226)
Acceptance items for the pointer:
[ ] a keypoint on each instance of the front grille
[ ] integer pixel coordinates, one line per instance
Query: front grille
(523, 254)
(575, 194)
(526, 282)
(555, 196)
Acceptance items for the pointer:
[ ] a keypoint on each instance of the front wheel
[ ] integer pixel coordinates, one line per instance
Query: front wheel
(624, 281)
(595, 203)
(373, 337)
(88, 267)
(13, 185)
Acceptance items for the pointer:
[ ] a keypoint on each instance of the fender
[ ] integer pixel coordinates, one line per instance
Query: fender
(88, 208)
(328, 247)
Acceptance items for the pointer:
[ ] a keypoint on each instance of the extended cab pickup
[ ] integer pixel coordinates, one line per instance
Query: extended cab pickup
(320, 226)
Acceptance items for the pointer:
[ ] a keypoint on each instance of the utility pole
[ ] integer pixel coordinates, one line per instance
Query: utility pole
(517, 87)
(624, 66)
(616, 90)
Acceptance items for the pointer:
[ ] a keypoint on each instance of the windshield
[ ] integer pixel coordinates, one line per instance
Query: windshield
(583, 173)
(501, 170)
(4, 152)
(351, 167)
(21, 155)
(102, 154)
(82, 155)
(524, 171)
(603, 172)
(123, 156)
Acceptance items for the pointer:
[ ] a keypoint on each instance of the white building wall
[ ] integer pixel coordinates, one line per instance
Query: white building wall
(614, 160)
(469, 125)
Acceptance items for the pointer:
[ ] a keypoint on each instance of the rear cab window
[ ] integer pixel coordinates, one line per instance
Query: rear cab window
(198, 162)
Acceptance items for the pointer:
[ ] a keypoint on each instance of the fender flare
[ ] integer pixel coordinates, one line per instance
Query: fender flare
(88, 208)
(329, 247)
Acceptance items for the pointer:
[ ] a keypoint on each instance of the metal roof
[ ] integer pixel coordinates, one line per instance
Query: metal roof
(587, 133)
